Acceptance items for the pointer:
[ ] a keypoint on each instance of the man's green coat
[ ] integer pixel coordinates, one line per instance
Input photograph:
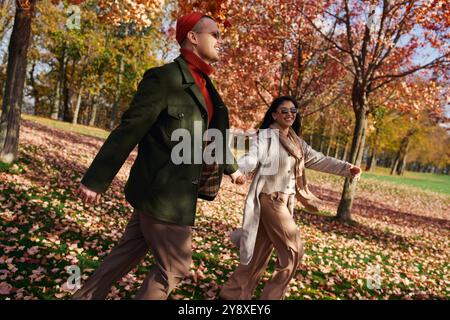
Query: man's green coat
(167, 99)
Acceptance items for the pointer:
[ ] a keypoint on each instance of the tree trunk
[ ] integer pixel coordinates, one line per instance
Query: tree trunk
(117, 94)
(345, 154)
(84, 110)
(356, 153)
(77, 107)
(372, 160)
(15, 81)
(394, 166)
(321, 133)
(336, 150)
(330, 142)
(67, 117)
(2, 91)
(55, 109)
(400, 158)
(37, 104)
(321, 143)
(401, 168)
(94, 113)
(62, 63)
(3, 67)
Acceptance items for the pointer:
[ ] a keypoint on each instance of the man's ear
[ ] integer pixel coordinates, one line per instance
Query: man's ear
(192, 37)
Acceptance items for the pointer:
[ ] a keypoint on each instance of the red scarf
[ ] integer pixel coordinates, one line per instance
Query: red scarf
(198, 67)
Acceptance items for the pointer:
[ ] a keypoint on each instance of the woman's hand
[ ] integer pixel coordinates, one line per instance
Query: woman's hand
(356, 172)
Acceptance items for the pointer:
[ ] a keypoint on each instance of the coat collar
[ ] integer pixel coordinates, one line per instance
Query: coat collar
(189, 82)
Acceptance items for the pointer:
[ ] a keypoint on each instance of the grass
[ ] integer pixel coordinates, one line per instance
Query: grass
(78, 128)
(425, 181)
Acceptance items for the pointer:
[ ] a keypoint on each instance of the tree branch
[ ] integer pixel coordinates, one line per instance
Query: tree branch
(325, 106)
(348, 29)
(260, 94)
(328, 38)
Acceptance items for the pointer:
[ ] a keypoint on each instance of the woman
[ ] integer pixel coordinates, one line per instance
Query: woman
(268, 215)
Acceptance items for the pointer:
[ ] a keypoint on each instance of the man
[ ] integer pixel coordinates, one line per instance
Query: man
(162, 193)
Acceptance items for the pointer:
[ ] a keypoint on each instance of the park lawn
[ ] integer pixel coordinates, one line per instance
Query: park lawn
(77, 128)
(398, 231)
(427, 181)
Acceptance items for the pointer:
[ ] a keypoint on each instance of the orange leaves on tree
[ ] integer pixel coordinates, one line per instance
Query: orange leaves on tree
(268, 50)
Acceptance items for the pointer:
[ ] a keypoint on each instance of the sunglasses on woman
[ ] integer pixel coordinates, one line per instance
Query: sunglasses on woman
(286, 111)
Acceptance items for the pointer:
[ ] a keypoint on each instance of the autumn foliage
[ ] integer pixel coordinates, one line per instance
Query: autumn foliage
(45, 229)
(372, 82)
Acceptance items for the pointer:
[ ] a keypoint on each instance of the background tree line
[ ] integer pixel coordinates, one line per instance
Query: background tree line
(371, 77)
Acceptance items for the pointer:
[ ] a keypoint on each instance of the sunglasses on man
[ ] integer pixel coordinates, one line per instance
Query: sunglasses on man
(215, 34)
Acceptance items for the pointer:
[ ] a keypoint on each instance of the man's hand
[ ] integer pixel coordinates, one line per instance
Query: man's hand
(251, 175)
(238, 178)
(356, 172)
(87, 195)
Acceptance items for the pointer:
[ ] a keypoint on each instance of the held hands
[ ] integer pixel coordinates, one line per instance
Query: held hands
(356, 172)
(238, 178)
(87, 195)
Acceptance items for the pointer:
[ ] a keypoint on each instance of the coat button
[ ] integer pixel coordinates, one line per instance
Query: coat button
(181, 115)
(195, 181)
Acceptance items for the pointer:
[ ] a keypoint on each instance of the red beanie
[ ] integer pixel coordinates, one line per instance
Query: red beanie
(185, 24)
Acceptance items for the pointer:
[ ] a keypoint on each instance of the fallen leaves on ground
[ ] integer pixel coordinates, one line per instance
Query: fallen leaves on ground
(396, 247)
